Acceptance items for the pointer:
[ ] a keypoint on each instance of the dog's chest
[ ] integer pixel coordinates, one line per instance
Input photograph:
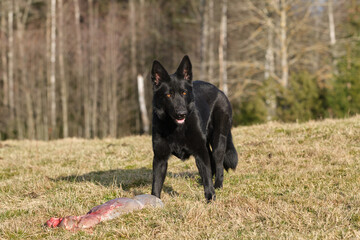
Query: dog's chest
(179, 147)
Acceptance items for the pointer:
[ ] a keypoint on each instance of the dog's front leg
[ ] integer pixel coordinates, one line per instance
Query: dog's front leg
(159, 173)
(204, 167)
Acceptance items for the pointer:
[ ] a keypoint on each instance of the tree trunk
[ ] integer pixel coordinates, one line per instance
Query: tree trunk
(283, 45)
(113, 103)
(316, 54)
(106, 81)
(270, 69)
(144, 114)
(11, 59)
(140, 79)
(14, 104)
(46, 91)
(133, 55)
(222, 49)
(112, 73)
(211, 42)
(26, 86)
(203, 38)
(331, 23)
(132, 19)
(38, 113)
(269, 56)
(52, 74)
(142, 40)
(64, 91)
(332, 35)
(104, 104)
(105, 94)
(94, 68)
(4, 60)
(38, 72)
(82, 86)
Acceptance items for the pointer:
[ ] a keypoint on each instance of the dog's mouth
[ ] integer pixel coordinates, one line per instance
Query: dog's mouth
(180, 121)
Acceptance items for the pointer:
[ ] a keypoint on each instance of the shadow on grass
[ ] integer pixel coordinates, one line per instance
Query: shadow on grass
(127, 179)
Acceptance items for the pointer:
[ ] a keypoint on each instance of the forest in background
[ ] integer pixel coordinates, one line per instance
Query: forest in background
(75, 68)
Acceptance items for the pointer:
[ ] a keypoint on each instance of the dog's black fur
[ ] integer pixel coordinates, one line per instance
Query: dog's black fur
(190, 118)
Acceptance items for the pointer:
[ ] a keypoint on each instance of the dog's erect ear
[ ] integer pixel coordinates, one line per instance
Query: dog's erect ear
(185, 70)
(158, 73)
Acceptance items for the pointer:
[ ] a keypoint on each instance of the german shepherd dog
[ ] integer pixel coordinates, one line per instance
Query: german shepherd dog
(190, 118)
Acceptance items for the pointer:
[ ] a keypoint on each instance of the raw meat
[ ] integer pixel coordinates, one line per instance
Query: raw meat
(107, 211)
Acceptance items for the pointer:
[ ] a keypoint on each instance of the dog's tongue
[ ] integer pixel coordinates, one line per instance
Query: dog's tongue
(180, 121)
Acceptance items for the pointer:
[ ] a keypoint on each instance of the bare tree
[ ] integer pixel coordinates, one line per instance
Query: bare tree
(63, 81)
(14, 94)
(142, 31)
(332, 34)
(203, 37)
(269, 55)
(140, 78)
(39, 90)
(283, 44)
(269, 71)
(211, 41)
(93, 51)
(20, 23)
(83, 86)
(143, 111)
(133, 62)
(11, 58)
(46, 93)
(4, 61)
(222, 49)
(36, 65)
(104, 120)
(53, 67)
(317, 11)
(132, 19)
(111, 73)
(331, 23)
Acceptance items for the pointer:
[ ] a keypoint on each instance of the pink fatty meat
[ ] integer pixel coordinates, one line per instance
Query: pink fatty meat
(107, 211)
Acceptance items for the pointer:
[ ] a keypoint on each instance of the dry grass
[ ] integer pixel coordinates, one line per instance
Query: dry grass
(293, 181)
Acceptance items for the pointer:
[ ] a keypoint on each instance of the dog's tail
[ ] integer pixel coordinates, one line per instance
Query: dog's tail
(231, 158)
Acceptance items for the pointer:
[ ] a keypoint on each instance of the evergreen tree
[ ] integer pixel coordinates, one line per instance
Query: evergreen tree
(300, 101)
(344, 97)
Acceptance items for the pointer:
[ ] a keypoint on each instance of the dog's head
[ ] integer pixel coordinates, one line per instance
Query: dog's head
(173, 94)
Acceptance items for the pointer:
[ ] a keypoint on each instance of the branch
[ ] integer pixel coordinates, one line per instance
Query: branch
(26, 12)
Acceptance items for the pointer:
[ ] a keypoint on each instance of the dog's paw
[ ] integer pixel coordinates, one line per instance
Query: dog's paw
(210, 195)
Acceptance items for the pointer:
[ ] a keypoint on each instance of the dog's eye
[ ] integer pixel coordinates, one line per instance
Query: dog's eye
(168, 95)
(184, 93)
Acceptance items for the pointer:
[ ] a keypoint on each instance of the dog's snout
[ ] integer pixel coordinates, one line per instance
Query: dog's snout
(181, 114)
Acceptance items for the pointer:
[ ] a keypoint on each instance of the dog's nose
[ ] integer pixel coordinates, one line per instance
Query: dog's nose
(181, 115)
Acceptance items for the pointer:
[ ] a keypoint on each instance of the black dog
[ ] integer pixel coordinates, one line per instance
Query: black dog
(190, 118)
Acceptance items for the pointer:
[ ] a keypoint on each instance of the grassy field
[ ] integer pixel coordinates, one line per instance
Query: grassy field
(293, 181)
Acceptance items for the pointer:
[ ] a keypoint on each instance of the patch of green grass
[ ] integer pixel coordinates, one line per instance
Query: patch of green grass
(13, 213)
(293, 181)
(8, 173)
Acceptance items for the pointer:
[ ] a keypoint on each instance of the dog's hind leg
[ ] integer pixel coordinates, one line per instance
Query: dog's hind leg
(218, 141)
(218, 153)
(231, 157)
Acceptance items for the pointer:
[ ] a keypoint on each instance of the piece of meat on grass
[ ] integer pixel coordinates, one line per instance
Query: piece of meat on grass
(107, 211)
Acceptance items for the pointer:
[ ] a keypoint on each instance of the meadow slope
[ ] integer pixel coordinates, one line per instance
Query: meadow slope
(293, 181)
